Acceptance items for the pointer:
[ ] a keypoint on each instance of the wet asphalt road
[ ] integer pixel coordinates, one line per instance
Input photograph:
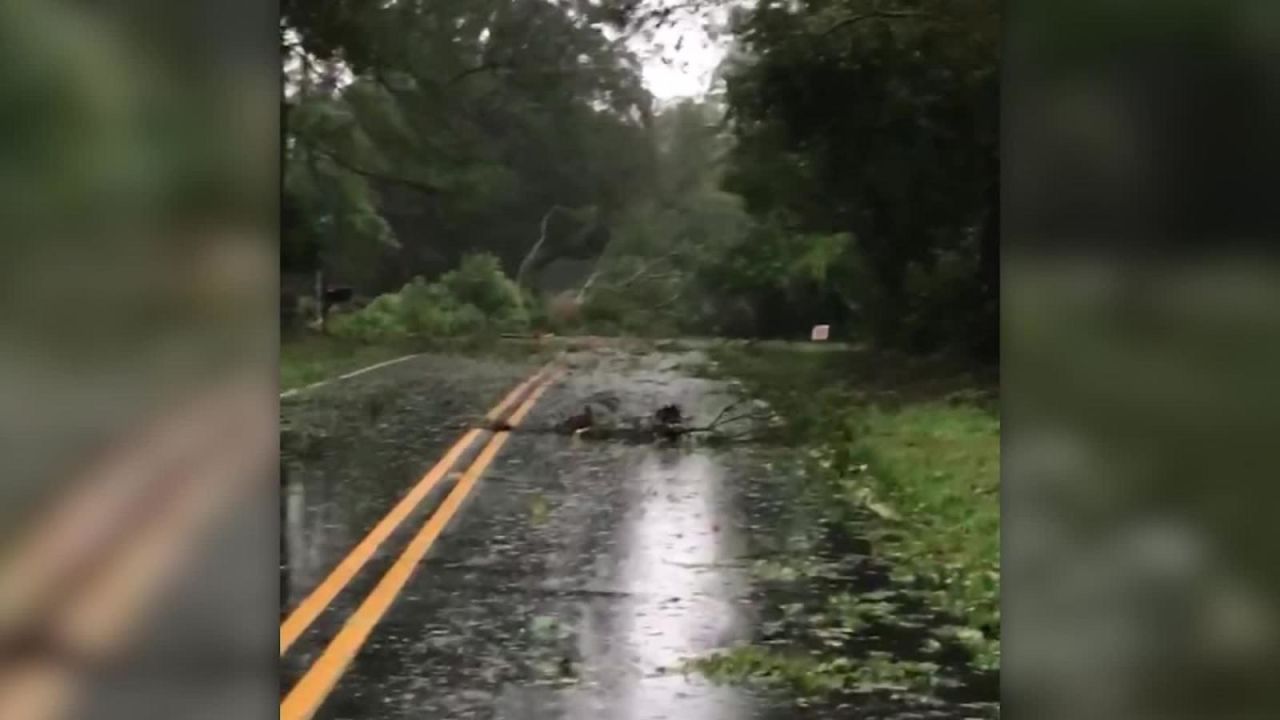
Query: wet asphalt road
(576, 578)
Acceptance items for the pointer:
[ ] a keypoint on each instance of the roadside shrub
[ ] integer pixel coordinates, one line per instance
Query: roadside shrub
(479, 281)
(475, 299)
(427, 310)
(381, 319)
(467, 319)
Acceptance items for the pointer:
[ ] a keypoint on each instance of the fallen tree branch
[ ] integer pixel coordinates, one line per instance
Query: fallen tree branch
(482, 67)
(582, 292)
(724, 410)
(666, 424)
(644, 269)
(740, 416)
(631, 280)
(533, 252)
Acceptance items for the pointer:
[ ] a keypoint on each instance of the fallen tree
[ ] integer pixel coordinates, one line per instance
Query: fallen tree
(667, 424)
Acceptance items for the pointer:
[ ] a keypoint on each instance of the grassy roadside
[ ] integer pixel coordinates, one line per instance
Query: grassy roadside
(310, 358)
(905, 453)
(932, 473)
(307, 358)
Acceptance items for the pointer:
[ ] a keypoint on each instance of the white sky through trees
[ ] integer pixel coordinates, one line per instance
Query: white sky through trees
(672, 74)
(680, 56)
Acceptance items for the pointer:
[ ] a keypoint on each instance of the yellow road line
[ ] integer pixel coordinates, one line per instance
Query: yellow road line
(511, 398)
(314, 604)
(103, 614)
(305, 697)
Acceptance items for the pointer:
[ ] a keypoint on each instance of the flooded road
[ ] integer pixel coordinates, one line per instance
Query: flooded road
(577, 579)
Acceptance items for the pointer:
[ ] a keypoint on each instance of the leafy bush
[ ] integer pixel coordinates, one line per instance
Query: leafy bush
(478, 281)
(472, 300)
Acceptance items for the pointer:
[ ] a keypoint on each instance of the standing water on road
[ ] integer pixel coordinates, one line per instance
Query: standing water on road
(607, 573)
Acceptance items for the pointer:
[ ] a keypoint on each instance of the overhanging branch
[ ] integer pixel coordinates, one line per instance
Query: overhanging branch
(350, 167)
(483, 67)
(878, 15)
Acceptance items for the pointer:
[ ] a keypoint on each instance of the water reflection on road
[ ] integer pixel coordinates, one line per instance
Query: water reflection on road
(574, 583)
(681, 597)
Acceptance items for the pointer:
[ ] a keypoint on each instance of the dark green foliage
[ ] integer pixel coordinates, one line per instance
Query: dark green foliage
(451, 127)
(655, 277)
(475, 299)
(479, 281)
(881, 126)
(905, 452)
(846, 175)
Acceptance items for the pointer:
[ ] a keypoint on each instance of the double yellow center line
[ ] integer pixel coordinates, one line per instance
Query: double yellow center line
(307, 695)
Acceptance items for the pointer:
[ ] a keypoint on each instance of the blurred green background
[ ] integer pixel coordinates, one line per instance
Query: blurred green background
(1141, 335)
(138, 184)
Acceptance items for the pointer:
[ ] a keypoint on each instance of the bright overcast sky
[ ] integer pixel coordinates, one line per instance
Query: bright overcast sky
(680, 59)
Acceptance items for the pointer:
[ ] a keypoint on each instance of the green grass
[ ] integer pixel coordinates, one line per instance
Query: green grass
(308, 359)
(916, 443)
(807, 676)
(933, 473)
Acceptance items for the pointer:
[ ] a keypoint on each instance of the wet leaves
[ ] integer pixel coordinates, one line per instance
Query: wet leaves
(549, 654)
(793, 568)
(829, 635)
(911, 466)
(545, 628)
(856, 601)
(809, 678)
(832, 624)
(304, 443)
(538, 510)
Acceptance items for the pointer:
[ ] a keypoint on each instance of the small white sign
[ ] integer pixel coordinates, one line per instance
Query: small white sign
(820, 333)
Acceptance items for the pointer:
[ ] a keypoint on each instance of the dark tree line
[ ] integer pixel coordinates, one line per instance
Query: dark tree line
(872, 133)
(844, 169)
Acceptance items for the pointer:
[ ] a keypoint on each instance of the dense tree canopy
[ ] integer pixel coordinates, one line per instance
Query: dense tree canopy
(435, 128)
(843, 170)
(866, 141)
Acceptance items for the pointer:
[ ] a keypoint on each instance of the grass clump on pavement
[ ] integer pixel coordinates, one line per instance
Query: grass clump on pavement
(809, 677)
